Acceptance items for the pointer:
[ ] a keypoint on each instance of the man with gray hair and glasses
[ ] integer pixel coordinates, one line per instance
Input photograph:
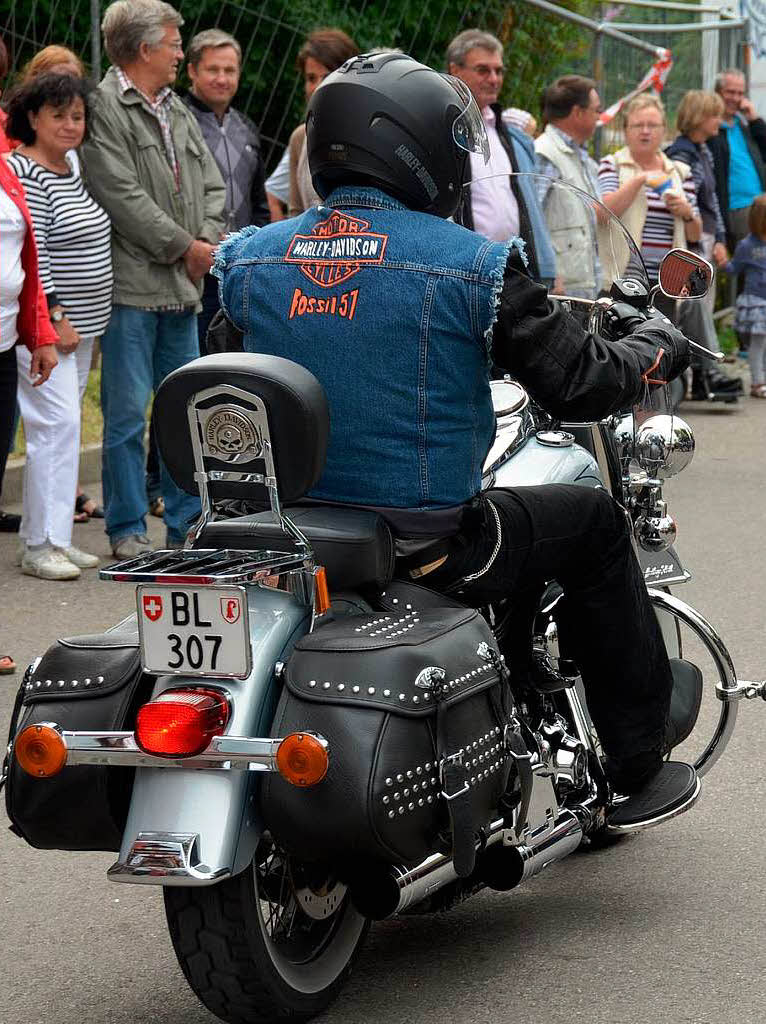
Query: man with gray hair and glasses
(739, 154)
(147, 164)
(213, 61)
(499, 206)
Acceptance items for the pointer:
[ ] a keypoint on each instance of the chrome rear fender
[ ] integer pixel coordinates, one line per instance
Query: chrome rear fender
(195, 827)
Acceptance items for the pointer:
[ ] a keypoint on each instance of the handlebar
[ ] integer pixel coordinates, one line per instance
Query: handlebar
(629, 314)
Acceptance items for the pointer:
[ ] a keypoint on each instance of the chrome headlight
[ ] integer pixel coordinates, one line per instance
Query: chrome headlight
(664, 446)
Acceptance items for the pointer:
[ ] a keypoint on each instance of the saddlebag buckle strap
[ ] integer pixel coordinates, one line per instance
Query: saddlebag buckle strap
(449, 777)
(455, 789)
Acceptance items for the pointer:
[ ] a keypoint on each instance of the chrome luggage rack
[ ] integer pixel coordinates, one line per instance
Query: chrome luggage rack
(206, 566)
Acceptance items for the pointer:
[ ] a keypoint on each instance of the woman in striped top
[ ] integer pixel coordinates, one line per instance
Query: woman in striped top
(73, 233)
(654, 197)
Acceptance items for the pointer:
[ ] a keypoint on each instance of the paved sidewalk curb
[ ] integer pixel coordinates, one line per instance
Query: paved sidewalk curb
(13, 481)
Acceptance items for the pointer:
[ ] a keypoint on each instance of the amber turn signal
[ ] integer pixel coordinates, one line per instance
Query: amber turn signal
(302, 759)
(40, 750)
(321, 591)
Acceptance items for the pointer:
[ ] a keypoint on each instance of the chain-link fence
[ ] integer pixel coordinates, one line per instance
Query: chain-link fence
(539, 45)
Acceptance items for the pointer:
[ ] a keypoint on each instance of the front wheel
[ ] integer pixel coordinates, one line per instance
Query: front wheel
(274, 943)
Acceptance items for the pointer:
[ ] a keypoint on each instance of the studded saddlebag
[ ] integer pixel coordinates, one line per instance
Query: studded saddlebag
(414, 710)
(82, 683)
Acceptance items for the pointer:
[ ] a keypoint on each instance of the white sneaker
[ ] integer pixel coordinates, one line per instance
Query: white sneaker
(82, 559)
(48, 563)
(132, 546)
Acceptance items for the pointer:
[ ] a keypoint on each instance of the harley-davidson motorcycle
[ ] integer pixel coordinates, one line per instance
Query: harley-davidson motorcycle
(292, 742)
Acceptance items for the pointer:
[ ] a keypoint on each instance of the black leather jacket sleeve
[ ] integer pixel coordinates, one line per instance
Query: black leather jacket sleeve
(570, 373)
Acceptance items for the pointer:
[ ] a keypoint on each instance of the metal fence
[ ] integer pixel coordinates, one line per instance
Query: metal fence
(618, 65)
(540, 45)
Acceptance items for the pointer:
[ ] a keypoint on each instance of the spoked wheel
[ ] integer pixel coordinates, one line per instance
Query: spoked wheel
(275, 943)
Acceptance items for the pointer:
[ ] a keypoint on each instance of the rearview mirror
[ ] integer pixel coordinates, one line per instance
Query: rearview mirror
(684, 275)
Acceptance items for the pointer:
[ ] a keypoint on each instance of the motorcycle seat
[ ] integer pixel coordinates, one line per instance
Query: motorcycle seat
(354, 545)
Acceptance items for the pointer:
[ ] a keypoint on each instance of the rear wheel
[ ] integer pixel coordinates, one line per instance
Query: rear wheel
(274, 943)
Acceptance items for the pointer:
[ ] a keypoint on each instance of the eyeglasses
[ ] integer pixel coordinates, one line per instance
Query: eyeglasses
(645, 127)
(485, 70)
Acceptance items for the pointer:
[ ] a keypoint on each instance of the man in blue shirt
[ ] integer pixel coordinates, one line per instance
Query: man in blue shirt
(739, 152)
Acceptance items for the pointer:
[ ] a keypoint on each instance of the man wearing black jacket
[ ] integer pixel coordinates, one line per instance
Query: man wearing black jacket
(403, 354)
(214, 61)
(739, 154)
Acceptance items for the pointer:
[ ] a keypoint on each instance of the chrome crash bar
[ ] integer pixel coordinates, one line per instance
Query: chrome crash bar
(229, 753)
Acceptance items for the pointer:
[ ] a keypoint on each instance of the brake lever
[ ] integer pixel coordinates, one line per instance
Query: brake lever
(717, 357)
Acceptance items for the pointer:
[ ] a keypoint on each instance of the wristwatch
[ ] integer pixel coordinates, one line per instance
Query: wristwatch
(57, 316)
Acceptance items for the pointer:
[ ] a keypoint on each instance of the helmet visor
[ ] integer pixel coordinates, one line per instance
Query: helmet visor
(468, 129)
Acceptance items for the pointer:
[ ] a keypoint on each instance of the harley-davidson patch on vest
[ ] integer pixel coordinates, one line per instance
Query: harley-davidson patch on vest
(336, 249)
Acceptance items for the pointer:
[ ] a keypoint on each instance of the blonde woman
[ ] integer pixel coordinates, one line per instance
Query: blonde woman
(697, 120)
(54, 58)
(654, 196)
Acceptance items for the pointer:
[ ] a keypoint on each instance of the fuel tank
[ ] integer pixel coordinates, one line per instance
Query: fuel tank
(523, 454)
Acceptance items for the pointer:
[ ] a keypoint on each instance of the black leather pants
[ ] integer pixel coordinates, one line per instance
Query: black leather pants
(515, 541)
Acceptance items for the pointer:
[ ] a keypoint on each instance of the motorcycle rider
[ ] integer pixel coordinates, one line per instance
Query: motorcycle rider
(399, 313)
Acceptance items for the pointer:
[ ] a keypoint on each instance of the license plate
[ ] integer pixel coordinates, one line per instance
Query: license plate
(194, 631)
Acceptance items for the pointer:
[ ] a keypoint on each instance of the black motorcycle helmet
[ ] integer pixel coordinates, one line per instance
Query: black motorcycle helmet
(387, 121)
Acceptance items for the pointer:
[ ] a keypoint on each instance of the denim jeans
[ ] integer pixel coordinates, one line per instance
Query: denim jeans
(138, 350)
(578, 537)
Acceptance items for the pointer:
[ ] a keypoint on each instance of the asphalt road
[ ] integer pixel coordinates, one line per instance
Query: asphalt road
(664, 927)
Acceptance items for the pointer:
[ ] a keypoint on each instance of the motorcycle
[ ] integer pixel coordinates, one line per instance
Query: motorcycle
(187, 737)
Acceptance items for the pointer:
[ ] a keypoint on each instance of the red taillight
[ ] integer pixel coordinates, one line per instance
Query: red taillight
(181, 723)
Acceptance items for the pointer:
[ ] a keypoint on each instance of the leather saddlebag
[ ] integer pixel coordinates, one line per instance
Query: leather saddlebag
(414, 709)
(82, 683)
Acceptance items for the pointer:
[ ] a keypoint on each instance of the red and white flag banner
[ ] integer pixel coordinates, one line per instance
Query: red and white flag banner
(655, 78)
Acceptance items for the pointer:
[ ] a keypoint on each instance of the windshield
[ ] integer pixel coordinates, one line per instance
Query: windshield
(573, 243)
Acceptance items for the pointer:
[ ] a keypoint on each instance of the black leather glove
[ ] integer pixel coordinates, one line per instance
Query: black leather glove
(669, 348)
(620, 319)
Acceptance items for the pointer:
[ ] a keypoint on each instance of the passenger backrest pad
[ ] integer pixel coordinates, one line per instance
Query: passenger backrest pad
(294, 418)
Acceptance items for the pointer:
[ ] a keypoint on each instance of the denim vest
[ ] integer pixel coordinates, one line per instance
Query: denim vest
(392, 311)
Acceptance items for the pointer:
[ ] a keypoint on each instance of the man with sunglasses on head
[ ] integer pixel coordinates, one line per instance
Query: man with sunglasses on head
(499, 206)
(398, 313)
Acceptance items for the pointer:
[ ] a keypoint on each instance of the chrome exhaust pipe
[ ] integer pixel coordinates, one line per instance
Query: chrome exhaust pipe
(383, 895)
(500, 866)
(504, 866)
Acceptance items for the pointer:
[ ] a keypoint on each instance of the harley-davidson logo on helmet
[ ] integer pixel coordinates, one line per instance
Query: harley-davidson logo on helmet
(336, 249)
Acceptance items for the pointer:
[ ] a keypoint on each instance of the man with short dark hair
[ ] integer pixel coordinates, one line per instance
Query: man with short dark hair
(498, 206)
(214, 61)
(571, 108)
